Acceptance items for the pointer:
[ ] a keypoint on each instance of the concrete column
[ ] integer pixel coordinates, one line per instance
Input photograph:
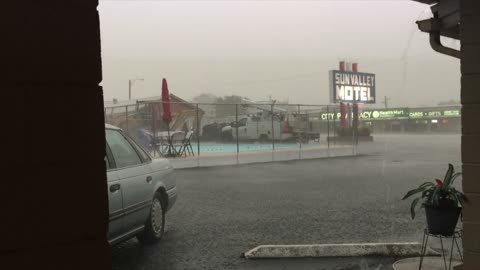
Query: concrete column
(470, 95)
(54, 195)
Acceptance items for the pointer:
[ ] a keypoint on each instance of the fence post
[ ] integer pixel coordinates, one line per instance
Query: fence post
(126, 119)
(198, 137)
(273, 133)
(236, 130)
(154, 130)
(300, 133)
(355, 120)
(334, 126)
(328, 131)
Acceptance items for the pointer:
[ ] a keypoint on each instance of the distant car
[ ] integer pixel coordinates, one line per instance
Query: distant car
(140, 189)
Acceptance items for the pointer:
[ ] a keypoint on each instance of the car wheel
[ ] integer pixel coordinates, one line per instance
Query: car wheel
(155, 225)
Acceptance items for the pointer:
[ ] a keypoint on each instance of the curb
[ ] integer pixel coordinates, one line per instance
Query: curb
(411, 249)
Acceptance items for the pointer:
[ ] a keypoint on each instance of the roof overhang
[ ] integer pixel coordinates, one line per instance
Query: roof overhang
(445, 22)
(434, 25)
(428, 2)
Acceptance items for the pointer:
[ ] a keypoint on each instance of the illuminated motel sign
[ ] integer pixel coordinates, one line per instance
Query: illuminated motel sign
(395, 114)
(346, 86)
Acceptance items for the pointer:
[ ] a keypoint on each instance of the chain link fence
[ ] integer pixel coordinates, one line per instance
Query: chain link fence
(207, 134)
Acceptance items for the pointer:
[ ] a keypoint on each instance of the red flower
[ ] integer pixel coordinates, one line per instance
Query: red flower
(439, 182)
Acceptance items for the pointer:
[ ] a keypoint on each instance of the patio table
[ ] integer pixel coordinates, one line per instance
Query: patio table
(167, 145)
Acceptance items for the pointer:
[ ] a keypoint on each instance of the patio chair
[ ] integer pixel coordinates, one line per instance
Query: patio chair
(186, 144)
(163, 145)
(177, 143)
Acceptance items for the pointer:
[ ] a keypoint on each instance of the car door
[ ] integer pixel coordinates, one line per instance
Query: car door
(135, 177)
(115, 203)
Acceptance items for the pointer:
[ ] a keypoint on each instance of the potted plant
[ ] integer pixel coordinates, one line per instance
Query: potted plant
(442, 203)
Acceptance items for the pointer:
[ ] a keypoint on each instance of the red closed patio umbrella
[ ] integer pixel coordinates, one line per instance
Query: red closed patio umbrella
(167, 115)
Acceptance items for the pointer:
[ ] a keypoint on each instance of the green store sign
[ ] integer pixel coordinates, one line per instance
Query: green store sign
(384, 114)
(437, 113)
(398, 113)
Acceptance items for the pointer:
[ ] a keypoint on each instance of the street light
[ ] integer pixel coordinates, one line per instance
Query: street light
(130, 83)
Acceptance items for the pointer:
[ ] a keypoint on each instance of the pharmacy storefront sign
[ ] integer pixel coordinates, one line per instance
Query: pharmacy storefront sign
(434, 113)
(384, 114)
(396, 113)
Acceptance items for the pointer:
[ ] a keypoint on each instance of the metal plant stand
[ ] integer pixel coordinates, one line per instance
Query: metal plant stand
(457, 235)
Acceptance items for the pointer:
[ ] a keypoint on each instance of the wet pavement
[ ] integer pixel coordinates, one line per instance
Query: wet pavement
(224, 211)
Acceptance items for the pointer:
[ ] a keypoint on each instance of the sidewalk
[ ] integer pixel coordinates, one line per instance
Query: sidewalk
(429, 263)
(353, 263)
(231, 158)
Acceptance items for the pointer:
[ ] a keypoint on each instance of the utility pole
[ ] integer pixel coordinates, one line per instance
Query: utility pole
(130, 83)
(386, 99)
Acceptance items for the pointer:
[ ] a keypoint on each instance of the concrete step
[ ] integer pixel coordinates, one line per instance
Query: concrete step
(429, 263)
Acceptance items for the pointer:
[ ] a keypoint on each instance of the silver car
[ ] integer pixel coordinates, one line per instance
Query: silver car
(140, 190)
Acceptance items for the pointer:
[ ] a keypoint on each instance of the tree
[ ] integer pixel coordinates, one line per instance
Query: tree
(225, 106)
(206, 101)
(204, 98)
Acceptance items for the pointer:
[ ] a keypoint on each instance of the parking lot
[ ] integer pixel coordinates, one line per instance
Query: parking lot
(224, 211)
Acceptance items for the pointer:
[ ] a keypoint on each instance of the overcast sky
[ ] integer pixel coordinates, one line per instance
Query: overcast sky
(279, 48)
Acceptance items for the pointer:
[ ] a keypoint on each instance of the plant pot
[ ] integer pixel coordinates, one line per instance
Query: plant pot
(442, 220)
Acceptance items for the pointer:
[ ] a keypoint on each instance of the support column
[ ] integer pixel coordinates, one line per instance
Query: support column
(54, 195)
(470, 94)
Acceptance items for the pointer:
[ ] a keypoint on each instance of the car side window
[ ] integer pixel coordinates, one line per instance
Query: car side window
(107, 164)
(109, 158)
(122, 151)
(139, 149)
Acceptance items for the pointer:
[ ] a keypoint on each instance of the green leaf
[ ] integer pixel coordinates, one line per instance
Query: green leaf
(413, 192)
(448, 175)
(461, 199)
(421, 188)
(453, 196)
(449, 182)
(434, 198)
(412, 207)
(455, 175)
(459, 196)
(426, 184)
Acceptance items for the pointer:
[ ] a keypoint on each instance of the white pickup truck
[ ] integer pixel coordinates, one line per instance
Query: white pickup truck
(257, 128)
